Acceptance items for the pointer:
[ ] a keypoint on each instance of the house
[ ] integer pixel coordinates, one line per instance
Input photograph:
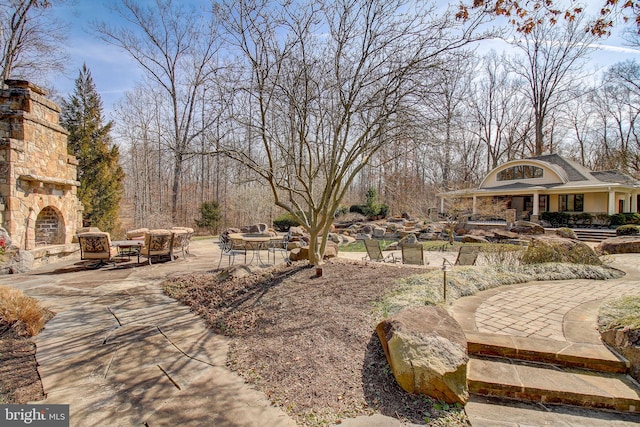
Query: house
(551, 183)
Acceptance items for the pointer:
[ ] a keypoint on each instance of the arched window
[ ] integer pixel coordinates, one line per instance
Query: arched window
(519, 172)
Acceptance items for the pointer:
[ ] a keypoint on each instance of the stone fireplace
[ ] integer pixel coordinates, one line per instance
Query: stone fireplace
(38, 178)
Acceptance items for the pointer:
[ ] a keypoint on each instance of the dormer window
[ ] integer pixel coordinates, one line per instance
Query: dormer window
(519, 172)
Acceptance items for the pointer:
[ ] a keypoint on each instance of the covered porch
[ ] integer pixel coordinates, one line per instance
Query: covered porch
(529, 203)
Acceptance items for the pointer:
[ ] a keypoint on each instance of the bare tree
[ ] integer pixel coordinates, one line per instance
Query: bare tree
(327, 82)
(444, 97)
(31, 40)
(618, 105)
(552, 54)
(177, 47)
(501, 112)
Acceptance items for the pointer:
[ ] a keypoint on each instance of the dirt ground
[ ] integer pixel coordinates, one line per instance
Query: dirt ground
(309, 342)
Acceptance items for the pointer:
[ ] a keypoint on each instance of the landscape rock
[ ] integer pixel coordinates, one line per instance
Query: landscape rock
(504, 235)
(367, 229)
(527, 227)
(470, 238)
(567, 233)
(378, 232)
(17, 261)
(409, 239)
(620, 245)
(405, 233)
(297, 231)
(427, 352)
(4, 235)
(626, 342)
(255, 228)
(302, 253)
(428, 236)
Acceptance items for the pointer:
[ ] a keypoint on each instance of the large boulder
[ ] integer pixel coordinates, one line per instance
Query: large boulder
(16, 261)
(501, 235)
(255, 228)
(408, 239)
(427, 352)
(302, 253)
(297, 231)
(378, 232)
(472, 238)
(620, 245)
(527, 227)
(625, 341)
(367, 229)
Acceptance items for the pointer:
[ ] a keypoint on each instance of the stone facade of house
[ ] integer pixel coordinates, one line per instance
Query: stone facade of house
(38, 178)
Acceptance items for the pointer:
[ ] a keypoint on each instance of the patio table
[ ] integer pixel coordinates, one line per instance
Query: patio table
(126, 248)
(255, 243)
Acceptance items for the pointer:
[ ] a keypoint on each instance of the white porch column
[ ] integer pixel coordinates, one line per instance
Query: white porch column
(536, 203)
(473, 209)
(634, 202)
(612, 202)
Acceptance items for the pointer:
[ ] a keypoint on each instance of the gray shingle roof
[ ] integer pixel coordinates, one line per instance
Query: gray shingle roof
(614, 176)
(572, 169)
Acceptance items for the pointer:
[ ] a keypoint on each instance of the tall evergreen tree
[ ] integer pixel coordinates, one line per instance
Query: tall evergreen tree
(101, 176)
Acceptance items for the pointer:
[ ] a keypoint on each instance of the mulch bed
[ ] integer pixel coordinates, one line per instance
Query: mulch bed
(19, 378)
(309, 342)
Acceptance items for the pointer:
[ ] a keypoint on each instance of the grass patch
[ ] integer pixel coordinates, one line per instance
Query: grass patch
(21, 314)
(358, 246)
(620, 313)
(438, 245)
(427, 289)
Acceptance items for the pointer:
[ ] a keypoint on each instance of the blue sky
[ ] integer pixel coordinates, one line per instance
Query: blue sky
(114, 72)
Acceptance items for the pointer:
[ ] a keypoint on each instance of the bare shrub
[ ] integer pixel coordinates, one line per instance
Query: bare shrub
(21, 313)
(502, 256)
(578, 253)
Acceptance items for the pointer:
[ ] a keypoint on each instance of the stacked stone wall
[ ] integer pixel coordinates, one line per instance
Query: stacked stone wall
(36, 172)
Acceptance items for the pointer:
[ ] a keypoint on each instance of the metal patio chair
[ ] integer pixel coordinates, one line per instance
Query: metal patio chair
(374, 252)
(412, 253)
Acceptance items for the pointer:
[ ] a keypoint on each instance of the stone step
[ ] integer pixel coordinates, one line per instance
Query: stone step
(527, 381)
(485, 411)
(594, 235)
(561, 353)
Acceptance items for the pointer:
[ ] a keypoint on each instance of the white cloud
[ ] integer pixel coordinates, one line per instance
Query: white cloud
(618, 49)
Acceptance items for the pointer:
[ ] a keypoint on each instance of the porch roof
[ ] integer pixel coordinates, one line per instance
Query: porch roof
(517, 188)
(574, 178)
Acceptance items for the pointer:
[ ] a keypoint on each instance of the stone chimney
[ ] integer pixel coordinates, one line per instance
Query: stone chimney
(38, 179)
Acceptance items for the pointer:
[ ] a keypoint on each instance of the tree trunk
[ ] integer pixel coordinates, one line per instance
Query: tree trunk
(175, 190)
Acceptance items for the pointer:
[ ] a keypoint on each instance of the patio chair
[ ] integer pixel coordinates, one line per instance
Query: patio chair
(96, 246)
(230, 249)
(157, 243)
(467, 255)
(180, 241)
(136, 234)
(279, 246)
(412, 253)
(187, 240)
(374, 252)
